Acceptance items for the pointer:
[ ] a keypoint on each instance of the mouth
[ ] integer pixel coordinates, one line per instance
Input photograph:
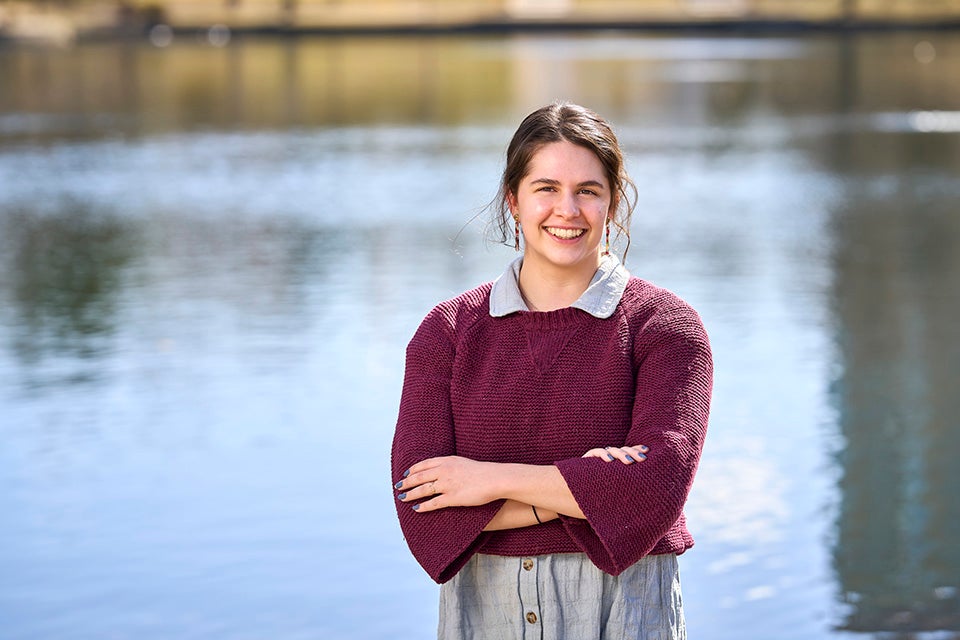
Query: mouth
(565, 234)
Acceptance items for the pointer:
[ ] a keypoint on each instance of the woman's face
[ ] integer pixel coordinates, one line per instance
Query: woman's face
(562, 203)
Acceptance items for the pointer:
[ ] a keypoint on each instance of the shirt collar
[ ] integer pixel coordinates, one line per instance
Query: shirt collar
(599, 300)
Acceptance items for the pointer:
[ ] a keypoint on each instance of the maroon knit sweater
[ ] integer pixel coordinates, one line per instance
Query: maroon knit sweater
(543, 388)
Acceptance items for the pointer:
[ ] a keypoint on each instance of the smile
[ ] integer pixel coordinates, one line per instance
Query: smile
(565, 234)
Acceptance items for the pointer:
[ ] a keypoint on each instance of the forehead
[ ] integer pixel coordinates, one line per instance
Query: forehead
(566, 161)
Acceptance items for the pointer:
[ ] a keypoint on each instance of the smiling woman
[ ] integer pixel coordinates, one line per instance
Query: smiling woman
(563, 215)
(551, 422)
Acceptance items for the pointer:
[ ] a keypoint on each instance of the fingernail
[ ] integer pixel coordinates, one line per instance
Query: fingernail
(643, 457)
(401, 496)
(609, 457)
(629, 459)
(398, 485)
(415, 507)
(406, 473)
(644, 448)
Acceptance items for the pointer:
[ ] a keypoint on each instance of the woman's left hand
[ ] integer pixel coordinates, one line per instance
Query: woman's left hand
(626, 455)
(449, 481)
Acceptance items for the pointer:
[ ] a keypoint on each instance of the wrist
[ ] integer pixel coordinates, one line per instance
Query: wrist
(505, 480)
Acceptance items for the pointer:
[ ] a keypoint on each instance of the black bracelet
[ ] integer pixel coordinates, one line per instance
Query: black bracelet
(539, 521)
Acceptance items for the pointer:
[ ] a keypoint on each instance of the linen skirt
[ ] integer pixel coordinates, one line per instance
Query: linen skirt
(562, 596)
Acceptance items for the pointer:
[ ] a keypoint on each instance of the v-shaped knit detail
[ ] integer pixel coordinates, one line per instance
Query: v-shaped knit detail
(545, 346)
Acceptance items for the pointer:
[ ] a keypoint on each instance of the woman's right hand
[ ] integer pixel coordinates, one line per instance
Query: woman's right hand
(626, 455)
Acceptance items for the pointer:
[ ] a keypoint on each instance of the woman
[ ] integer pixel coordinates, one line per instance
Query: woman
(551, 422)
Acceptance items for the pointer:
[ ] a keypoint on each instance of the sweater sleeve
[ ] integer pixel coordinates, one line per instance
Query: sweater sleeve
(442, 541)
(630, 508)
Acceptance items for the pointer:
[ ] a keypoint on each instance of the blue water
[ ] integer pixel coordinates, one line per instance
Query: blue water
(202, 324)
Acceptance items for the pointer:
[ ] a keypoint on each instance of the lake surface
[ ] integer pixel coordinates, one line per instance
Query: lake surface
(211, 260)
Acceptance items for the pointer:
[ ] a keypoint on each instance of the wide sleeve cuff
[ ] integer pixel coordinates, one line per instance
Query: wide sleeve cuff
(442, 541)
(630, 508)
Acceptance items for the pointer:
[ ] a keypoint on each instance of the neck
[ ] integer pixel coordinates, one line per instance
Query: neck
(548, 288)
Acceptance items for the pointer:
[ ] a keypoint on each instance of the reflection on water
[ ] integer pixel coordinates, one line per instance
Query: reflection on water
(211, 260)
(63, 273)
(896, 302)
(135, 89)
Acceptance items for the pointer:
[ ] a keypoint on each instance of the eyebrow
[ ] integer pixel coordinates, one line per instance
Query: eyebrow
(552, 182)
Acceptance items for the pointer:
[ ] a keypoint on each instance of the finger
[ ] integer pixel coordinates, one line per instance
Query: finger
(430, 505)
(642, 447)
(425, 490)
(415, 477)
(415, 480)
(426, 465)
(403, 476)
(598, 453)
(622, 454)
(636, 453)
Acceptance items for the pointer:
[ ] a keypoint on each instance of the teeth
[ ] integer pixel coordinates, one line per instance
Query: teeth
(565, 233)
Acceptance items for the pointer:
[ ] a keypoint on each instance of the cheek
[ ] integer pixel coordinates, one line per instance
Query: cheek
(534, 207)
(599, 212)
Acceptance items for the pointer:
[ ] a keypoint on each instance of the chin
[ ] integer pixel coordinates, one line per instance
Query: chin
(572, 261)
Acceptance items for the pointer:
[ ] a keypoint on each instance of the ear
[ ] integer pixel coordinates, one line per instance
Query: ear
(614, 206)
(512, 202)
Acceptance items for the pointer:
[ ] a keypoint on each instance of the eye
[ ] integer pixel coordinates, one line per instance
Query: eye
(589, 192)
(547, 188)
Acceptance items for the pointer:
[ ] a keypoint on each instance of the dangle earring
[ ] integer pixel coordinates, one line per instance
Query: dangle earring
(606, 250)
(516, 232)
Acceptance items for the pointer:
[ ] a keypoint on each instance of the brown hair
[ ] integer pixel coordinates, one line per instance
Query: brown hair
(555, 123)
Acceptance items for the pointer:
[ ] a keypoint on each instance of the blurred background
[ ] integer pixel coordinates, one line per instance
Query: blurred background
(221, 222)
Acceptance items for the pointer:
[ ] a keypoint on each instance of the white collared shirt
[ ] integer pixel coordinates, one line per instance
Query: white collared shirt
(599, 300)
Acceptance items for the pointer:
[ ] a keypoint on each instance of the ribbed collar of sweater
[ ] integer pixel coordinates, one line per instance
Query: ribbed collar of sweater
(599, 300)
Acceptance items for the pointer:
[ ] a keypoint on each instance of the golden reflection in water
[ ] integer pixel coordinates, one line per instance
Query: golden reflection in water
(268, 83)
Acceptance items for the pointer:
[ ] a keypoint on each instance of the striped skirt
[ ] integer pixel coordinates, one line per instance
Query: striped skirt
(562, 596)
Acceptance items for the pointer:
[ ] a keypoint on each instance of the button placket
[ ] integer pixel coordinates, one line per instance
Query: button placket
(529, 597)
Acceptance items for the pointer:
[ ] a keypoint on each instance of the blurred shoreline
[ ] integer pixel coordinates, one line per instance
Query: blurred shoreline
(66, 22)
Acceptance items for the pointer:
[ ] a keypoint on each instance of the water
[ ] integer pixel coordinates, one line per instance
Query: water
(211, 260)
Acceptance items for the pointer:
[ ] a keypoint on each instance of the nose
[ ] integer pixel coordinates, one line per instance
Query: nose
(567, 205)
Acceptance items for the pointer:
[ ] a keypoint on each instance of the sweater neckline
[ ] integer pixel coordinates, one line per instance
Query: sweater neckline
(555, 319)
